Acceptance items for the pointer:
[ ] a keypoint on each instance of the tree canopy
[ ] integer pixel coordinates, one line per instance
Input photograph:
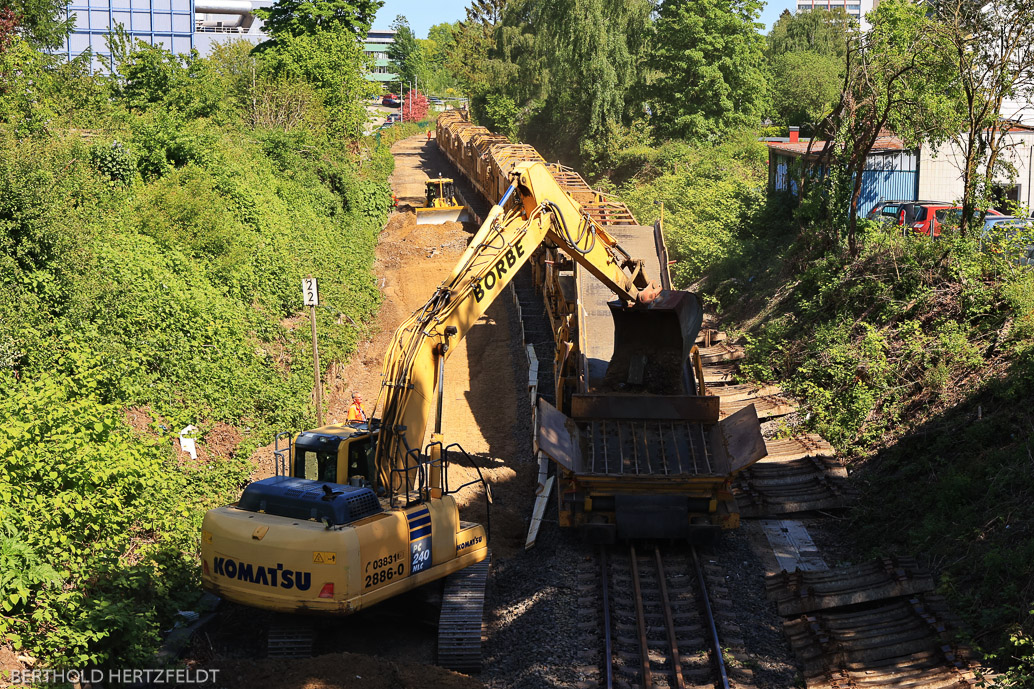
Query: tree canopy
(805, 85)
(821, 31)
(298, 17)
(711, 75)
(571, 92)
(404, 52)
(41, 22)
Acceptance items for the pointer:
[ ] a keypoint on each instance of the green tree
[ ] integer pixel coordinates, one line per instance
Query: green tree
(444, 37)
(574, 94)
(405, 52)
(709, 57)
(332, 63)
(435, 74)
(805, 85)
(473, 41)
(821, 31)
(992, 62)
(152, 75)
(298, 17)
(896, 76)
(41, 22)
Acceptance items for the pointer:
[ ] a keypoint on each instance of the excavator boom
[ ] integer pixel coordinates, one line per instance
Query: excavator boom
(541, 211)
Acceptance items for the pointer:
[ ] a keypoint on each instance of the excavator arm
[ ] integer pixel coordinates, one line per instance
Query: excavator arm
(542, 211)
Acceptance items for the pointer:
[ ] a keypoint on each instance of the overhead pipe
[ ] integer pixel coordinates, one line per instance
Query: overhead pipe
(239, 7)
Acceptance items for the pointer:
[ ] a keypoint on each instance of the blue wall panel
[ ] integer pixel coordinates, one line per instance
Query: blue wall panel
(900, 185)
(166, 22)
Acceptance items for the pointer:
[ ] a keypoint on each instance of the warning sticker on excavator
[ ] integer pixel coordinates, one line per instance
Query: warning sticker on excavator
(320, 557)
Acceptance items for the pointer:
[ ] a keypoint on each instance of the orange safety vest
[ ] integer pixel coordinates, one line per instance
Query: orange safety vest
(356, 413)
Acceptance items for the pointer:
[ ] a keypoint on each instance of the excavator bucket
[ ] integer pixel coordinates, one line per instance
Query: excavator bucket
(437, 216)
(652, 343)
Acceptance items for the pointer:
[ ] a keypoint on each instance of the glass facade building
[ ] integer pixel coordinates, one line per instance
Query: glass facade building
(166, 22)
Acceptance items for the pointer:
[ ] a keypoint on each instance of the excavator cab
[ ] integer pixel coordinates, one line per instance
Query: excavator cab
(336, 454)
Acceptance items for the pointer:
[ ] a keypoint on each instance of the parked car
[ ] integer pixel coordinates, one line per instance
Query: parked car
(391, 101)
(393, 118)
(992, 220)
(899, 212)
(929, 218)
(1010, 236)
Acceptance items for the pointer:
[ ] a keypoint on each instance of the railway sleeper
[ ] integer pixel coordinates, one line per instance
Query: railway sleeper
(899, 669)
(867, 658)
(913, 677)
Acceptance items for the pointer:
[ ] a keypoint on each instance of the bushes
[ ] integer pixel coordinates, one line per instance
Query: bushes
(99, 526)
(916, 361)
(157, 266)
(710, 195)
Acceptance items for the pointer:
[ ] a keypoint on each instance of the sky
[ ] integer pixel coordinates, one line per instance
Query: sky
(422, 14)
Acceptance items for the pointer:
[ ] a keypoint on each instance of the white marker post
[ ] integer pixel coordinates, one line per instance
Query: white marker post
(311, 298)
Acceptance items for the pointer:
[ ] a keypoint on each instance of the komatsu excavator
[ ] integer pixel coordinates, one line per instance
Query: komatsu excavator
(363, 513)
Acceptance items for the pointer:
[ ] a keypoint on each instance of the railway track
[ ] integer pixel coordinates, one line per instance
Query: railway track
(652, 621)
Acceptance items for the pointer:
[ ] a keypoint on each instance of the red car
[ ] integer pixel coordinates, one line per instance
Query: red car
(933, 216)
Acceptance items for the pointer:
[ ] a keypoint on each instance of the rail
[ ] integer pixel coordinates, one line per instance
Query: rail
(637, 588)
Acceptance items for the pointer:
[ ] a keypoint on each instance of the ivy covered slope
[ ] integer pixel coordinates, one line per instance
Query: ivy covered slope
(154, 231)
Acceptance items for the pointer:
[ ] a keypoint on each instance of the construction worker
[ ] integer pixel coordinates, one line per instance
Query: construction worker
(428, 134)
(356, 415)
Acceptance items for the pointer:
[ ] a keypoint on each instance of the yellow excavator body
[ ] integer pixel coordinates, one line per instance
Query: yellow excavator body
(441, 203)
(317, 539)
(299, 565)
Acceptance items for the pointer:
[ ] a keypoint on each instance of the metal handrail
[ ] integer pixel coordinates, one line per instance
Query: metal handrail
(282, 463)
(480, 479)
(421, 477)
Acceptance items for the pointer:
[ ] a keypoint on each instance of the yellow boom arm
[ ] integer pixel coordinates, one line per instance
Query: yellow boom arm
(414, 363)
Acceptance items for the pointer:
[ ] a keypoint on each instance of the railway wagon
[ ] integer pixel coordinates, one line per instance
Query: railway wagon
(635, 458)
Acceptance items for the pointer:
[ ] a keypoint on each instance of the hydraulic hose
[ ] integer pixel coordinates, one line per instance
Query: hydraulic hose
(584, 228)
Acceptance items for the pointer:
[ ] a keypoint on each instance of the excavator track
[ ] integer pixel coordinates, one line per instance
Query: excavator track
(289, 636)
(460, 629)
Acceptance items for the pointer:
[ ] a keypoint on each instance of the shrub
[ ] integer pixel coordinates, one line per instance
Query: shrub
(114, 161)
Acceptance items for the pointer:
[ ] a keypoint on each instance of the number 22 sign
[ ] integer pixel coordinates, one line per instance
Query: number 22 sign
(310, 292)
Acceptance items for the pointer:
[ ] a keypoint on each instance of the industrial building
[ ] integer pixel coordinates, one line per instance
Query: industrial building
(856, 9)
(891, 171)
(182, 25)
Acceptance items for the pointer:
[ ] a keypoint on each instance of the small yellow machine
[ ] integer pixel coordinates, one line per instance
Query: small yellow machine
(358, 514)
(442, 204)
